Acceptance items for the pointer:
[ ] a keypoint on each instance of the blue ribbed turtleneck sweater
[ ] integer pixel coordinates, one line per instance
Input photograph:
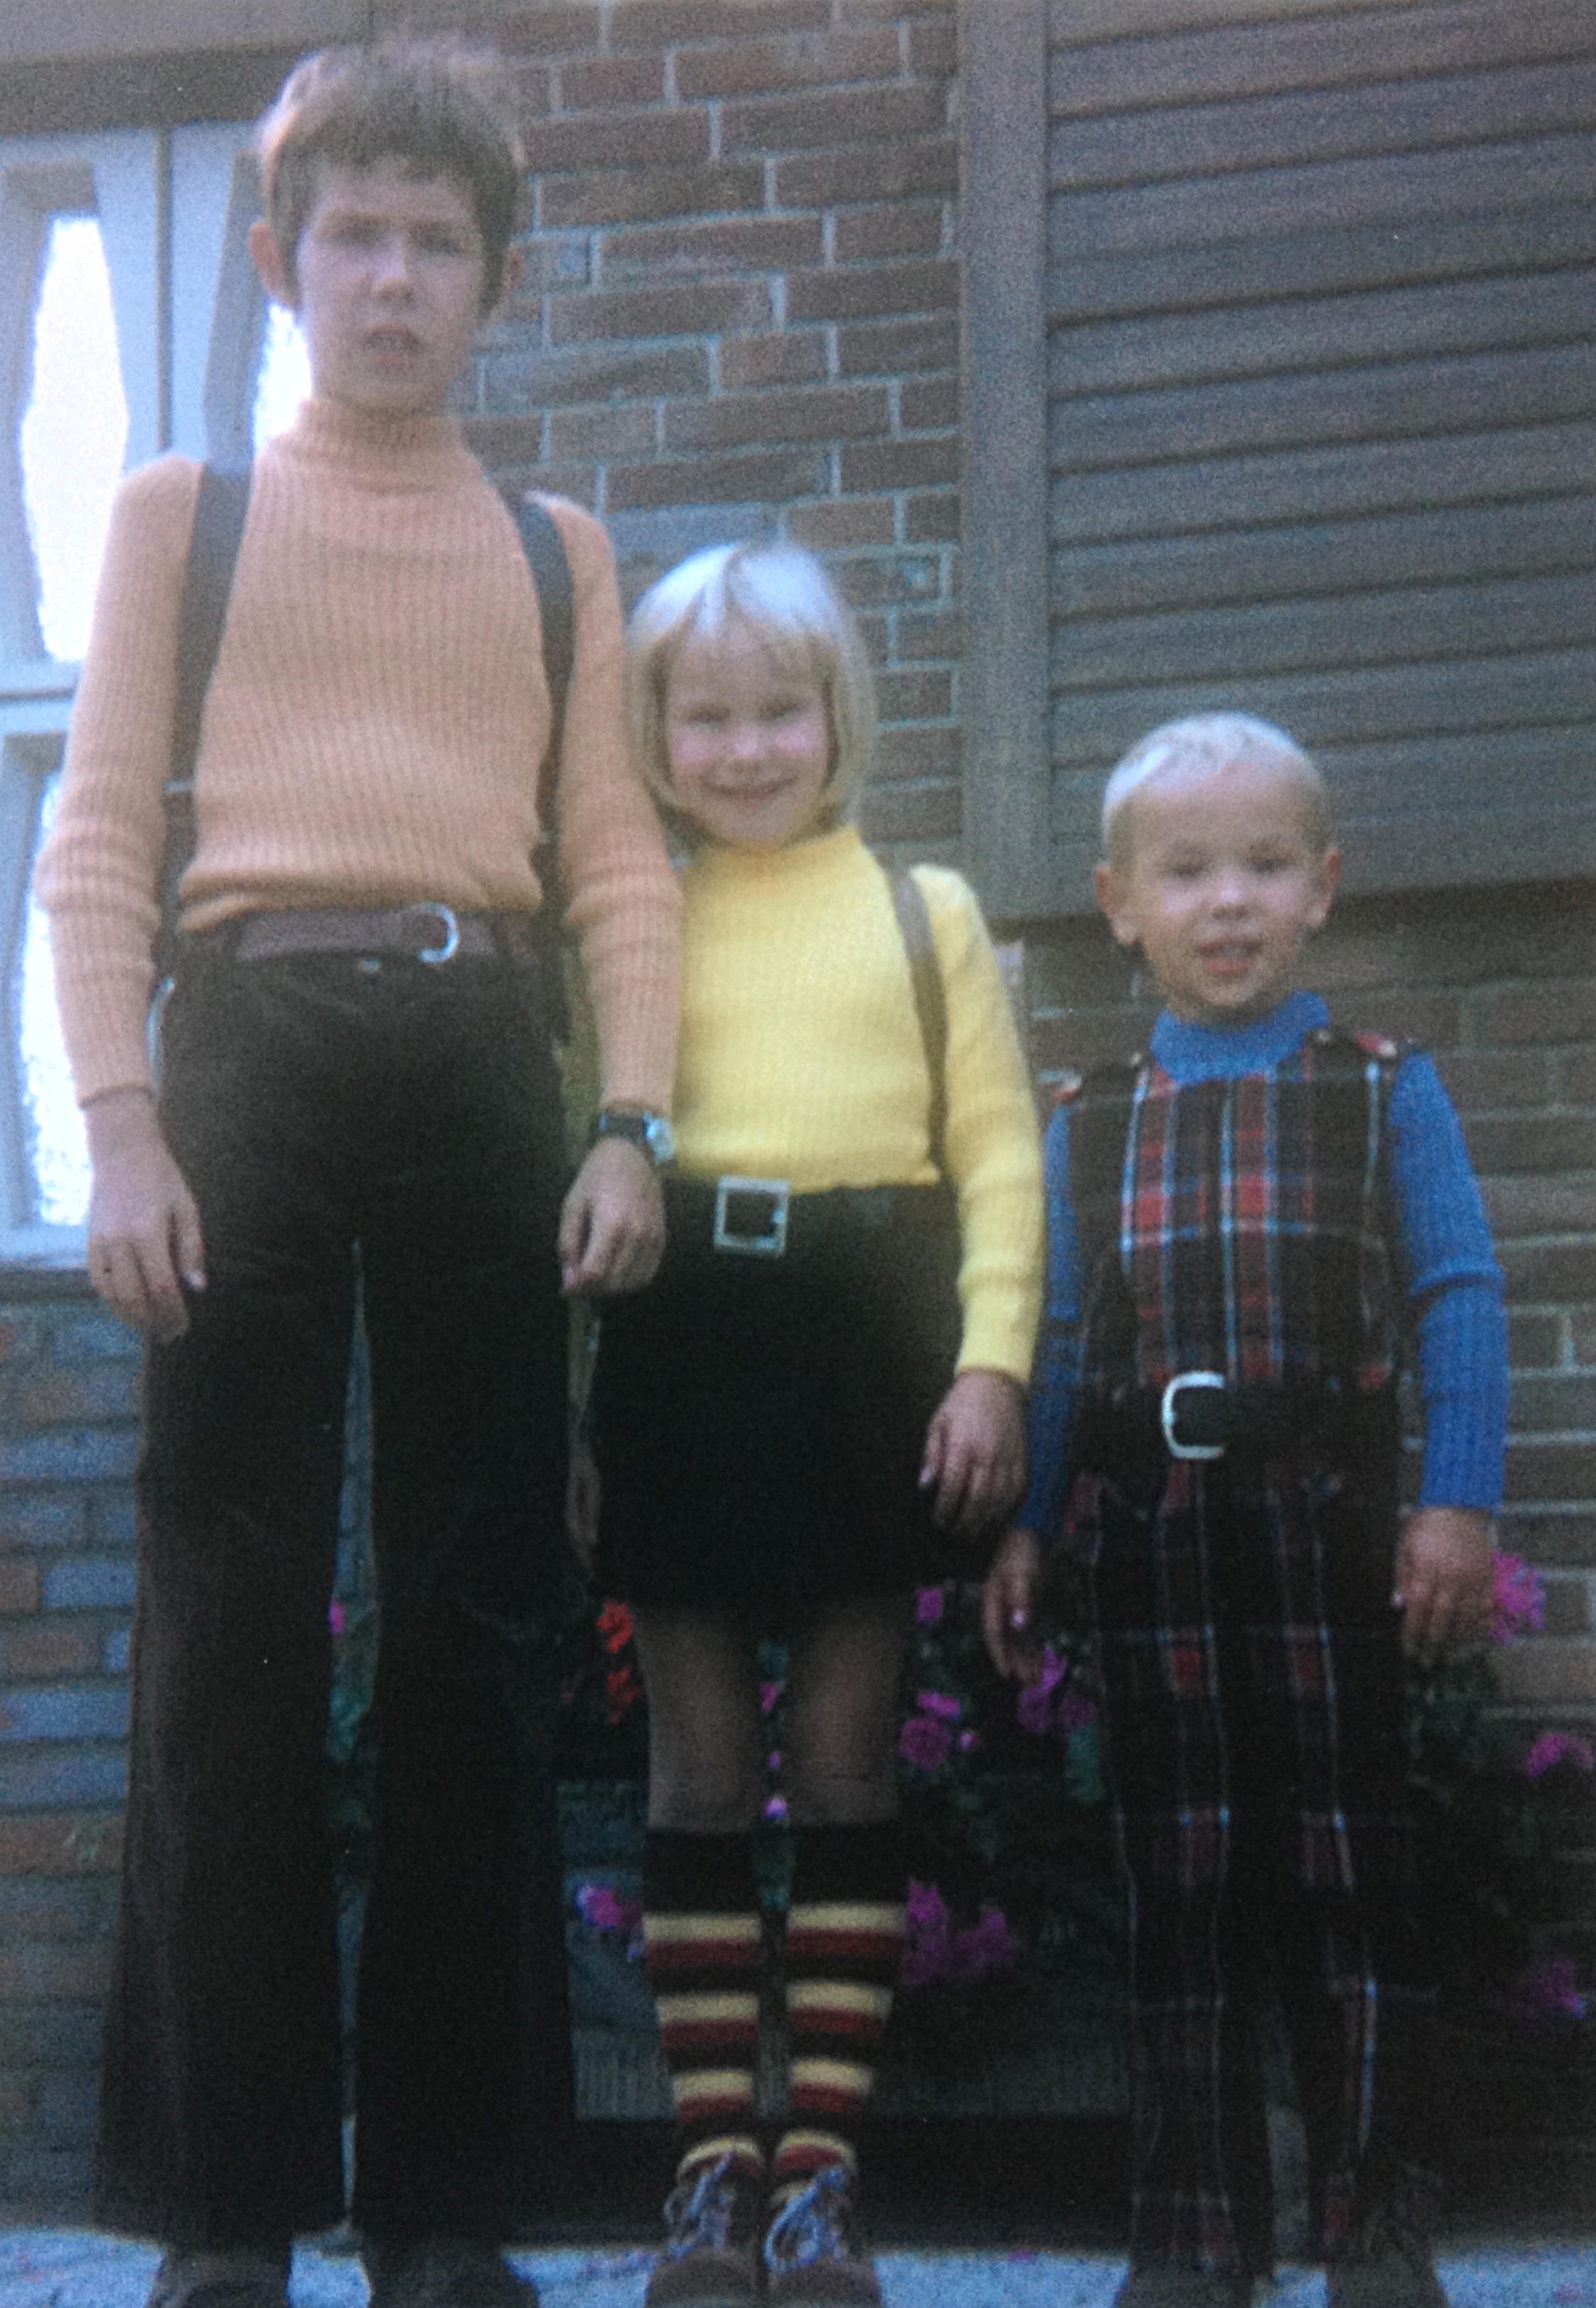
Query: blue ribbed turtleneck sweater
(1452, 1281)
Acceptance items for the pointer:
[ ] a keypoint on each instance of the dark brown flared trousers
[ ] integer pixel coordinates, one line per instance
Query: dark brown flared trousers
(401, 1125)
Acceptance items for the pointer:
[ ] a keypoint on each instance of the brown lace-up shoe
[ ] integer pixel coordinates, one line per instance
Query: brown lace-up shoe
(711, 2252)
(813, 2257)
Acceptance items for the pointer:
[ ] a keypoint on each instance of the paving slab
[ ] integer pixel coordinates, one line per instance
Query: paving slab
(73, 2268)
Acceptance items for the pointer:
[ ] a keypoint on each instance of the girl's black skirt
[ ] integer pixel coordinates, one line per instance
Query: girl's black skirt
(758, 1417)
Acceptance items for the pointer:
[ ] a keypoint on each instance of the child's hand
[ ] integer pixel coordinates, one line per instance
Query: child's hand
(975, 1450)
(611, 1229)
(1443, 1582)
(1006, 1606)
(145, 1246)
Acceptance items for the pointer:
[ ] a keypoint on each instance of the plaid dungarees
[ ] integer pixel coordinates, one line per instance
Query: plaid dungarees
(1251, 1656)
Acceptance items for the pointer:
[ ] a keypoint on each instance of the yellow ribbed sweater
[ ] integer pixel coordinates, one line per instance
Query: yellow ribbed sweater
(372, 734)
(800, 1058)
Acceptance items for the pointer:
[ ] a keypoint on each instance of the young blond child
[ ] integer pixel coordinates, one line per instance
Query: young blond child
(1246, 1224)
(819, 1403)
(357, 1066)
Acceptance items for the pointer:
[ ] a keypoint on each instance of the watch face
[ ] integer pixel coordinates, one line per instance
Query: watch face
(661, 1138)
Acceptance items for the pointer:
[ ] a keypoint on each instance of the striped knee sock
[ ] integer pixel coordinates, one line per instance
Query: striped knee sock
(844, 1932)
(702, 1939)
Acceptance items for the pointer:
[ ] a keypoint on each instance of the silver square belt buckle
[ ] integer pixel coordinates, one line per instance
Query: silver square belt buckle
(1167, 1409)
(750, 1216)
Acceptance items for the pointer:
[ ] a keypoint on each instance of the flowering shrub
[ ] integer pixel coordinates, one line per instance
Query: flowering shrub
(1002, 1802)
(1491, 1816)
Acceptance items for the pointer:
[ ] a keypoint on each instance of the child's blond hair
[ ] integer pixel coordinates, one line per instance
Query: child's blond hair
(783, 594)
(1205, 742)
(438, 109)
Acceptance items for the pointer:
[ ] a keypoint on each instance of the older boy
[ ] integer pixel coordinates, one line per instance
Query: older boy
(1244, 1222)
(358, 1079)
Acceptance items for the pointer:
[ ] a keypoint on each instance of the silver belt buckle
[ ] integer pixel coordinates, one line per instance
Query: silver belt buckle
(445, 916)
(773, 1241)
(1166, 1414)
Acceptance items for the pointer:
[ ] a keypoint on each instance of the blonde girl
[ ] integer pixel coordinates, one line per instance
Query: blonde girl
(819, 1404)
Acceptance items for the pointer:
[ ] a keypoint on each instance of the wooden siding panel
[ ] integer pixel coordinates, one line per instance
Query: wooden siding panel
(1328, 709)
(1322, 334)
(1397, 189)
(1318, 264)
(1322, 485)
(1351, 632)
(1322, 429)
(1287, 131)
(1126, 75)
(1536, 538)
(1396, 400)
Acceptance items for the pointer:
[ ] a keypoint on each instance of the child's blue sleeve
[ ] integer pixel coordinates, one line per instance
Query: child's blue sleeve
(1056, 1379)
(1454, 1288)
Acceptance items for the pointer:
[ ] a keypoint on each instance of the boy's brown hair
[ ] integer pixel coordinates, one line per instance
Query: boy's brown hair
(438, 109)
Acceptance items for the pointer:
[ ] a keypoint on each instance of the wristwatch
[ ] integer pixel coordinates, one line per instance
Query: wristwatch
(652, 1132)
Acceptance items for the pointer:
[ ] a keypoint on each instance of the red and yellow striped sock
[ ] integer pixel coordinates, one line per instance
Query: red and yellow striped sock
(704, 1949)
(844, 1934)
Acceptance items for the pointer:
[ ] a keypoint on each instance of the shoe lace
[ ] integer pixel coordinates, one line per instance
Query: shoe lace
(814, 2224)
(699, 2210)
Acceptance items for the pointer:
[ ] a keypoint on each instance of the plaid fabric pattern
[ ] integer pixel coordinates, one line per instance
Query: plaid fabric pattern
(1251, 1660)
(1251, 1232)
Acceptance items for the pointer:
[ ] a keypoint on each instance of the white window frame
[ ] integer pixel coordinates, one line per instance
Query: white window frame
(173, 209)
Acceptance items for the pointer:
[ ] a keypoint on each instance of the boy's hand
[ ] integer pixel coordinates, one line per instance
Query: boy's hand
(975, 1450)
(611, 1229)
(145, 1246)
(1443, 1582)
(1007, 1604)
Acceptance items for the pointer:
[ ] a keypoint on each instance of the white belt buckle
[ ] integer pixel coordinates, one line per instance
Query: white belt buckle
(773, 1241)
(1166, 1414)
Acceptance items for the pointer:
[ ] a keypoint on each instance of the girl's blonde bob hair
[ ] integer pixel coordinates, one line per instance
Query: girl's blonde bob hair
(783, 594)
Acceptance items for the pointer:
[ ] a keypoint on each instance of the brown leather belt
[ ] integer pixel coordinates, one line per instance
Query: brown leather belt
(425, 931)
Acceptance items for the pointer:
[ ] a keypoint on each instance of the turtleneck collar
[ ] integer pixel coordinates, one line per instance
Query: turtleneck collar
(1192, 1052)
(818, 855)
(376, 447)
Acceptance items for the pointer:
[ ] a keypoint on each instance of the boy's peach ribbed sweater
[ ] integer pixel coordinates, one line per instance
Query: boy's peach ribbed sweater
(372, 734)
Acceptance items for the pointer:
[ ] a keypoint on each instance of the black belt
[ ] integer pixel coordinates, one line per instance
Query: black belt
(763, 1218)
(425, 931)
(1199, 1416)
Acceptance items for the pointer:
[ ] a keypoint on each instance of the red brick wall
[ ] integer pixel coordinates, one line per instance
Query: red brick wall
(742, 308)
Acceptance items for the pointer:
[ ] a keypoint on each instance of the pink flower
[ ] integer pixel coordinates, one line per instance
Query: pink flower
(335, 1617)
(1547, 1990)
(1519, 1600)
(773, 1760)
(1034, 1709)
(604, 1910)
(928, 1607)
(769, 1693)
(776, 1807)
(925, 1741)
(968, 1741)
(938, 1703)
(988, 1946)
(1558, 1747)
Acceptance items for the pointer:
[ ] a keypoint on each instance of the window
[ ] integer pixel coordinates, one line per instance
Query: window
(130, 322)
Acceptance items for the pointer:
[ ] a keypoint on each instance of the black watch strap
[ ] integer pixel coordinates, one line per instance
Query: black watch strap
(650, 1131)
